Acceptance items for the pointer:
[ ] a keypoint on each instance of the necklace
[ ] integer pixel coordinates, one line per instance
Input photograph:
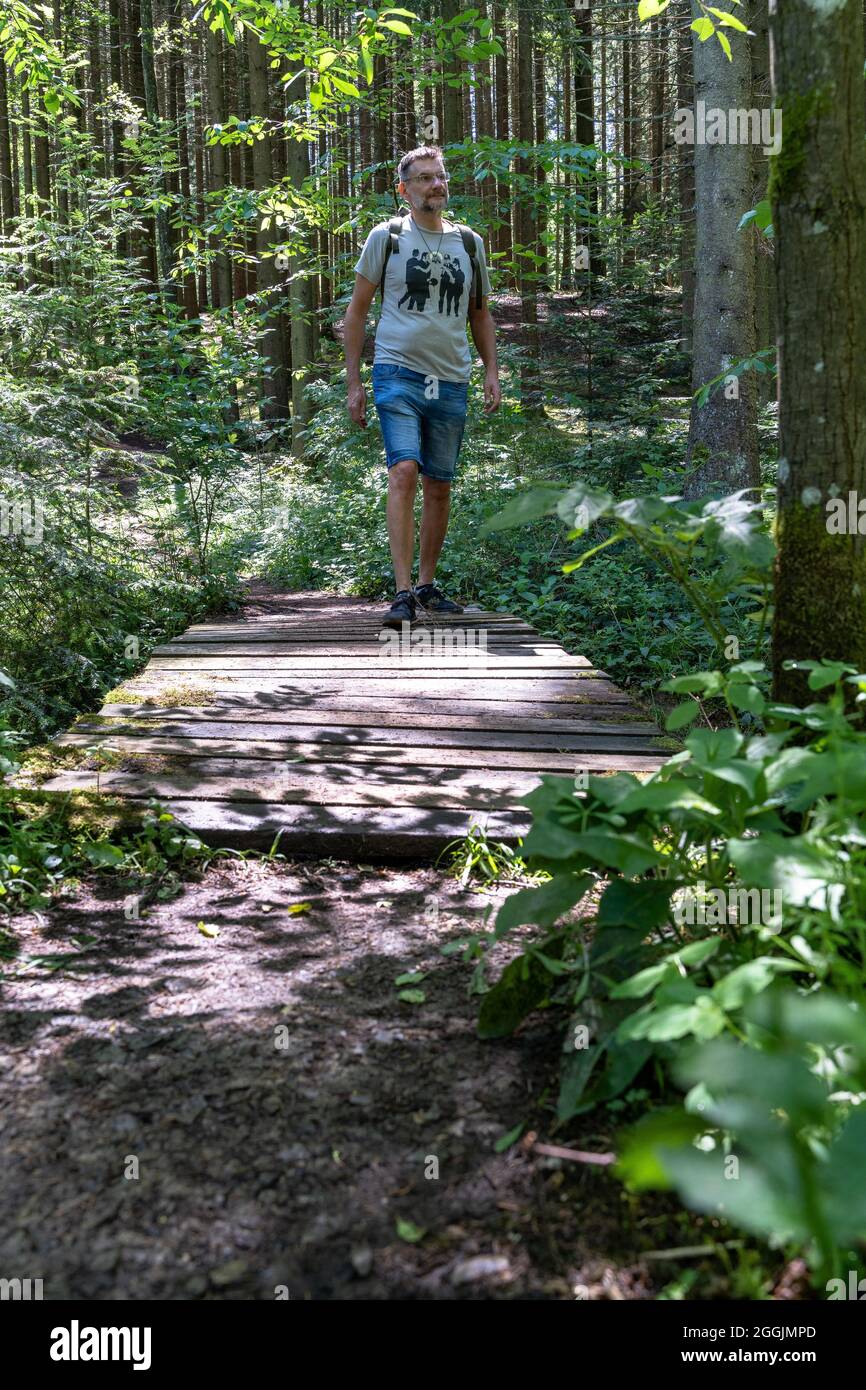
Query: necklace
(435, 257)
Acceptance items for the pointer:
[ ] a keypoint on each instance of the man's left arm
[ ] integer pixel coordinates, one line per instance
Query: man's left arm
(484, 337)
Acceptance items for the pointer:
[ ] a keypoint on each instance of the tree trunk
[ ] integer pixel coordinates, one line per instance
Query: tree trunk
(584, 131)
(274, 380)
(502, 231)
(686, 177)
(301, 301)
(818, 192)
(564, 220)
(530, 377)
(540, 229)
(217, 164)
(7, 201)
(765, 291)
(723, 435)
(452, 100)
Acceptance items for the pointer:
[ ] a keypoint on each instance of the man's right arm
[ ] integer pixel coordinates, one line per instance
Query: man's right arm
(354, 334)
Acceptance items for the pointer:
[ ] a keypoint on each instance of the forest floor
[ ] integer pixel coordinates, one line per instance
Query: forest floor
(269, 1158)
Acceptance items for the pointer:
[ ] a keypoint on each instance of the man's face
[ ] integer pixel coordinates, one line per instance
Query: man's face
(426, 187)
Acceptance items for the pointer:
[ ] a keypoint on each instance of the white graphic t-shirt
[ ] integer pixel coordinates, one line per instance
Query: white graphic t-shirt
(425, 305)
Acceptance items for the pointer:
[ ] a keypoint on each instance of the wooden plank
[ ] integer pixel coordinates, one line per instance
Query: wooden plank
(349, 832)
(341, 621)
(502, 666)
(248, 731)
(576, 690)
(375, 647)
(424, 715)
(373, 784)
(355, 633)
(603, 753)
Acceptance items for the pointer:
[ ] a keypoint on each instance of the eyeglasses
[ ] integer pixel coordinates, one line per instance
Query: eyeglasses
(427, 178)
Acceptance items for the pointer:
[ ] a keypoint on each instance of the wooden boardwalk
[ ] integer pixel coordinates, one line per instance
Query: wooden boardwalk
(299, 717)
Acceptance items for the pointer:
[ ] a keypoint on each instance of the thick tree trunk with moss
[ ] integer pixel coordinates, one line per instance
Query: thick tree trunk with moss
(723, 434)
(818, 191)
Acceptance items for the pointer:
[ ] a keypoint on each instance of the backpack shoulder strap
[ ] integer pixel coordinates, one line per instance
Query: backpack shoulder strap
(395, 227)
(472, 252)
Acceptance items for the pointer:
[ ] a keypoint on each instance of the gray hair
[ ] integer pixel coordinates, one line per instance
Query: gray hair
(422, 152)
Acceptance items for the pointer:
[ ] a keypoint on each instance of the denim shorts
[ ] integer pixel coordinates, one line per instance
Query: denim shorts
(422, 418)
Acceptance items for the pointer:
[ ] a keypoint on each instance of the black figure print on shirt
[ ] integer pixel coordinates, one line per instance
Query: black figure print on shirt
(421, 281)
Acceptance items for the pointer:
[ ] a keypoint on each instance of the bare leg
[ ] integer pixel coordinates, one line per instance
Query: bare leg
(402, 485)
(434, 524)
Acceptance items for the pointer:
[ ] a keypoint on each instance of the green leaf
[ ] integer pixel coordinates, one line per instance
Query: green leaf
(408, 1231)
(675, 795)
(704, 28)
(708, 681)
(640, 984)
(543, 905)
(648, 9)
(842, 1180)
(367, 60)
(762, 216)
(103, 855)
(580, 506)
(643, 905)
(347, 88)
(624, 852)
(726, 44)
(639, 1165)
(681, 715)
(412, 996)
(662, 1022)
(758, 1201)
(733, 989)
(505, 1141)
(527, 506)
(414, 977)
(728, 19)
(747, 697)
(522, 987)
(796, 866)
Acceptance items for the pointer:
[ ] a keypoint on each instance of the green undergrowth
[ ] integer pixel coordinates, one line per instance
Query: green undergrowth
(700, 935)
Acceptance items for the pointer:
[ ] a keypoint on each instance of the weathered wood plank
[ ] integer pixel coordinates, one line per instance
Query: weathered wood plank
(235, 779)
(356, 632)
(349, 832)
(580, 689)
(494, 664)
(470, 715)
(375, 648)
(358, 735)
(604, 753)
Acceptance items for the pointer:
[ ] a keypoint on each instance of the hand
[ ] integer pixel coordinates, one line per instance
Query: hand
(492, 393)
(357, 403)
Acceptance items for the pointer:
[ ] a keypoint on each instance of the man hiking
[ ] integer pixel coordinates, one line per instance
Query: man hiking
(431, 285)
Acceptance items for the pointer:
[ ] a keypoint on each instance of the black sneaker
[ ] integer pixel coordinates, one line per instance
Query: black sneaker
(433, 600)
(404, 609)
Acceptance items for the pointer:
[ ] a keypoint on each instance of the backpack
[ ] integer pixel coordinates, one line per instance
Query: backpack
(395, 226)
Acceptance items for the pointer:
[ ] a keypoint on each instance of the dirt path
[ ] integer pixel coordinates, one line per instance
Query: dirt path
(270, 1158)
